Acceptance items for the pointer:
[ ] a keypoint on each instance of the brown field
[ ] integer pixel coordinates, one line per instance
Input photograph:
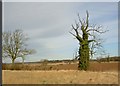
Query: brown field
(94, 66)
(61, 73)
(59, 77)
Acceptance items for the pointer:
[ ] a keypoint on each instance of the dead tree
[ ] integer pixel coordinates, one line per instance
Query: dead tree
(83, 33)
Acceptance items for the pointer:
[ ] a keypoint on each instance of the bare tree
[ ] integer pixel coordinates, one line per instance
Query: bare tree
(96, 47)
(14, 46)
(83, 33)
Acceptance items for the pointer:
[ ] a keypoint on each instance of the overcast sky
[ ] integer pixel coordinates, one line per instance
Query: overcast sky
(47, 24)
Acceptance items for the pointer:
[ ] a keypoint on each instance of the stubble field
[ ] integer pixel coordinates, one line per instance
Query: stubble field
(59, 77)
(98, 73)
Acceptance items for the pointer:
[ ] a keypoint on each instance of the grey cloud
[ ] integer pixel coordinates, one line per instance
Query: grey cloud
(33, 15)
(40, 19)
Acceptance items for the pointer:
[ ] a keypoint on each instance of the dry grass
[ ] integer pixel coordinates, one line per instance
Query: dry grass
(58, 77)
(94, 66)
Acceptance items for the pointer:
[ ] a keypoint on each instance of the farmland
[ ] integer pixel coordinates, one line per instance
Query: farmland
(59, 77)
(60, 73)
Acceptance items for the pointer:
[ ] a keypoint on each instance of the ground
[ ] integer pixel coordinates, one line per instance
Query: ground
(59, 77)
(63, 73)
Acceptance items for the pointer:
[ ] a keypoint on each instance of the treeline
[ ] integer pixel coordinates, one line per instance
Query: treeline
(54, 61)
(105, 59)
(110, 59)
(69, 61)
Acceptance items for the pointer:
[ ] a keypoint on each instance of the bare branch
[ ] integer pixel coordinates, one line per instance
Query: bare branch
(78, 37)
(97, 29)
(90, 41)
(72, 34)
(87, 21)
(76, 31)
(80, 19)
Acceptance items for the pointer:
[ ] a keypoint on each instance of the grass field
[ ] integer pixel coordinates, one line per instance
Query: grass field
(62, 73)
(58, 77)
(94, 66)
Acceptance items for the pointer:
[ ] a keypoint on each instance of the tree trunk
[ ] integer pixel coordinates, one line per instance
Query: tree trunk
(84, 56)
(13, 61)
(22, 60)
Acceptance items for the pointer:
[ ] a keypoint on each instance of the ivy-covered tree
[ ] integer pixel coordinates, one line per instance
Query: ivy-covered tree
(83, 33)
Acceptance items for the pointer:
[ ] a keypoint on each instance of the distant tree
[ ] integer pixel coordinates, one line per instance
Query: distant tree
(14, 46)
(96, 47)
(75, 55)
(108, 58)
(83, 33)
